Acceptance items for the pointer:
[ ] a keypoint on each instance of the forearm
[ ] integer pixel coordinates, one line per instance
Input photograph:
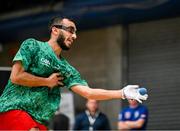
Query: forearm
(101, 94)
(122, 126)
(135, 124)
(21, 77)
(97, 94)
(27, 79)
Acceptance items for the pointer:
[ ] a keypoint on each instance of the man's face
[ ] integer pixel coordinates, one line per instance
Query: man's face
(133, 102)
(92, 105)
(67, 34)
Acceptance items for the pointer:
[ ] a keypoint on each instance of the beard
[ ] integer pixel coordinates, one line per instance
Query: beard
(60, 41)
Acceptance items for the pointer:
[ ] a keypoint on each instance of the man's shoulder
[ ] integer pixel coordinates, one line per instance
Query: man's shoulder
(81, 115)
(126, 109)
(32, 43)
(143, 108)
(102, 114)
(32, 40)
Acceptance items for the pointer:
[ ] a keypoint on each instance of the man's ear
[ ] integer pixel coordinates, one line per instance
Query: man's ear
(55, 30)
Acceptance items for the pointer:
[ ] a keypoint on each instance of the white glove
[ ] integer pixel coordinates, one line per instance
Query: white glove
(131, 92)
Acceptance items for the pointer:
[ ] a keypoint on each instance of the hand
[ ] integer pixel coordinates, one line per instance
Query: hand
(54, 80)
(131, 92)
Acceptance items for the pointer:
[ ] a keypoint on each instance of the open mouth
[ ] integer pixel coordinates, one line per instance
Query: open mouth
(70, 41)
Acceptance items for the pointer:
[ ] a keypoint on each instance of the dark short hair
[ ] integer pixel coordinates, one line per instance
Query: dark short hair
(54, 21)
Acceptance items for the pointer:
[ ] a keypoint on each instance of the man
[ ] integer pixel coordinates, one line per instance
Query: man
(134, 117)
(32, 94)
(92, 118)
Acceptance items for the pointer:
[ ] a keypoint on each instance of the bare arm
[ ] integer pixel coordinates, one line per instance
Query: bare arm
(97, 94)
(122, 126)
(135, 124)
(20, 77)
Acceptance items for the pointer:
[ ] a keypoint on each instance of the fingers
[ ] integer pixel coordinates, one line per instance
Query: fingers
(132, 92)
(57, 74)
(142, 97)
(133, 86)
(139, 100)
(60, 78)
(60, 83)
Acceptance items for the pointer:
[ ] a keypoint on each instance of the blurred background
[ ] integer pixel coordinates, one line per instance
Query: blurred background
(119, 42)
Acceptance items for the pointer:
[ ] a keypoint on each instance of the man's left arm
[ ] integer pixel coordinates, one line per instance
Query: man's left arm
(74, 82)
(128, 92)
(141, 121)
(122, 126)
(135, 124)
(96, 94)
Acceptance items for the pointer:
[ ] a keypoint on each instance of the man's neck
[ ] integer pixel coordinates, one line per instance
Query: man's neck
(54, 45)
(92, 113)
(134, 106)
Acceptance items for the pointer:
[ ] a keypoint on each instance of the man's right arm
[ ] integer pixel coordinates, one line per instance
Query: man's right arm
(122, 126)
(135, 124)
(129, 92)
(21, 77)
(97, 94)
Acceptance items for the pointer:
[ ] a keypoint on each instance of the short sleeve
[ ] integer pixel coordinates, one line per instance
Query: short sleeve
(26, 52)
(144, 113)
(121, 116)
(73, 77)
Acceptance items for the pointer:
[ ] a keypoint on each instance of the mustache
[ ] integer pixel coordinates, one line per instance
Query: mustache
(60, 41)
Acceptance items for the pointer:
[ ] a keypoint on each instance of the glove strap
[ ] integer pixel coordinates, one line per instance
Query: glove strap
(122, 94)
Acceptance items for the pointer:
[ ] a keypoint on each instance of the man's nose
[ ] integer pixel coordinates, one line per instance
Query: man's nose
(74, 36)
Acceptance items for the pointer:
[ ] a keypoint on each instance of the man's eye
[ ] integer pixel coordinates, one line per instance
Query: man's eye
(71, 29)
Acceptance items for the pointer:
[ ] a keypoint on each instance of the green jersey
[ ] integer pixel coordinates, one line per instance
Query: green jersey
(39, 59)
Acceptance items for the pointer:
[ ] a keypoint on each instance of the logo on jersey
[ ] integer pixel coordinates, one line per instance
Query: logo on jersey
(127, 115)
(45, 62)
(120, 116)
(136, 114)
(143, 116)
(66, 72)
